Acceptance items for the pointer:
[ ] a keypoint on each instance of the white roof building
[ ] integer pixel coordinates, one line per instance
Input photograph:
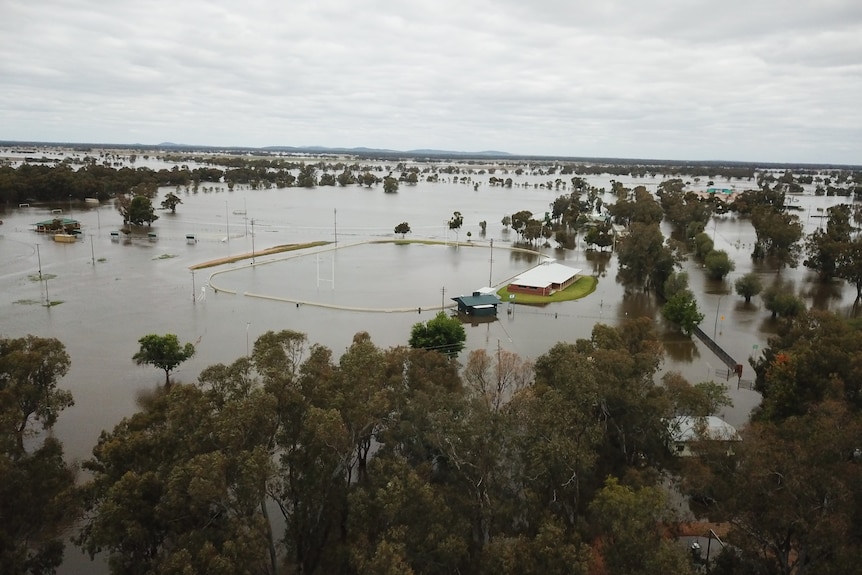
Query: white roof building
(546, 275)
(686, 429)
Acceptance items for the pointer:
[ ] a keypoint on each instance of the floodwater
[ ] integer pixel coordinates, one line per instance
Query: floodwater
(115, 291)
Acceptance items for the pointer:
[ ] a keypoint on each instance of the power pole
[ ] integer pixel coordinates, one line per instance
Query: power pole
(491, 270)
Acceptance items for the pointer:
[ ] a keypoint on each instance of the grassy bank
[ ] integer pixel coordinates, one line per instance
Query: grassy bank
(581, 288)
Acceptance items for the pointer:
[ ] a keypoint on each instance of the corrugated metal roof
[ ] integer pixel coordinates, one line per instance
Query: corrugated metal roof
(545, 274)
(689, 428)
(477, 300)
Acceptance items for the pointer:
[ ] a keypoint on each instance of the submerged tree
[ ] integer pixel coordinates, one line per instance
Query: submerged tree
(443, 334)
(748, 286)
(164, 352)
(171, 202)
(403, 228)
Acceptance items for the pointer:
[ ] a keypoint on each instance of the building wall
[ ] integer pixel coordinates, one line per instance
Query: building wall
(528, 289)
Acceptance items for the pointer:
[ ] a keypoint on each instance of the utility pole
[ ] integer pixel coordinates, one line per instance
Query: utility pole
(491, 270)
(442, 297)
(715, 327)
(335, 217)
(193, 287)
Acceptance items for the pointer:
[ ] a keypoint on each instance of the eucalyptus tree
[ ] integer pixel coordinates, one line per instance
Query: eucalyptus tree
(778, 235)
(824, 249)
(455, 223)
(645, 259)
(38, 498)
(164, 352)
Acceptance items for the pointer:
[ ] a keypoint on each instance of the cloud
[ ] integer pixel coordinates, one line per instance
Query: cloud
(756, 81)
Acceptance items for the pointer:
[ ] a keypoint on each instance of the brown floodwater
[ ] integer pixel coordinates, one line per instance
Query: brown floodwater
(113, 291)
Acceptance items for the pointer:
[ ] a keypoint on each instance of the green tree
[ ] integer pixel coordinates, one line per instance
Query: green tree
(140, 210)
(519, 220)
(327, 179)
(814, 357)
(38, 499)
(368, 179)
(403, 228)
(30, 368)
(171, 202)
(645, 260)
(506, 221)
(164, 352)
(307, 177)
(390, 185)
(824, 248)
(442, 333)
(703, 244)
(778, 235)
(178, 486)
(632, 521)
(600, 235)
(677, 282)
(790, 493)
(850, 265)
(780, 302)
(718, 264)
(682, 310)
(455, 223)
(748, 286)
(699, 400)
(346, 178)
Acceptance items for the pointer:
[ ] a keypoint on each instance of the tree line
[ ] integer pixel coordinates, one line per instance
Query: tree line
(403, 460)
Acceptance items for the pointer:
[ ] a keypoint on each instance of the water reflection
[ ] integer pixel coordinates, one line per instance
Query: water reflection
(821, 293)
(679, 347)
(637, 304)
(599, 262)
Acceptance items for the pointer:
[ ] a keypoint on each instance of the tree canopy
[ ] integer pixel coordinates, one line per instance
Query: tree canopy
(38, 499)
(164, 352)
(443, 333)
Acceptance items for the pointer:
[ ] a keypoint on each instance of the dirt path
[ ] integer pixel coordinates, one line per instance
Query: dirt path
(266, 252)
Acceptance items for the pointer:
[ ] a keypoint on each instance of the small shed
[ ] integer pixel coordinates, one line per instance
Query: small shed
(686, 430)
(478, 304)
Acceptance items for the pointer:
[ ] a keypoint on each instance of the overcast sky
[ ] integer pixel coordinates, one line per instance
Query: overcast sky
(747, 80)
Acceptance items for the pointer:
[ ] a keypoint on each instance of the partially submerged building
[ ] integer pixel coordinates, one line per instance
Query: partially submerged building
(545, 279)
(58, 225)
(478, 305)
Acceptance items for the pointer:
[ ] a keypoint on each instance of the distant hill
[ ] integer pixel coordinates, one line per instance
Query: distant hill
(422, 153)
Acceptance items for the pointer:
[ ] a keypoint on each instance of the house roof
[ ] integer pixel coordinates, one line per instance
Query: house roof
(686, 428)
(545, 274)
(63, 221)
(481, 300)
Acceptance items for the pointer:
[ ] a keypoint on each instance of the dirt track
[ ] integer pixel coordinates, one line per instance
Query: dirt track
(246, 256)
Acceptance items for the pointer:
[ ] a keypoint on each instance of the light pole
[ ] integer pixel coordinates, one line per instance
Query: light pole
(491, 269)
